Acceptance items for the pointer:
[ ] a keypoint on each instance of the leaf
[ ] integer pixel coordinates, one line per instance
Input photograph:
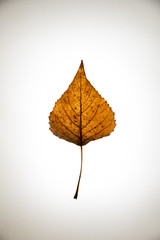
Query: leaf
(81, 115)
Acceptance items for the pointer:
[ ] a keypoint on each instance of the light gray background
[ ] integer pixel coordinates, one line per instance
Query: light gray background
(41, 46)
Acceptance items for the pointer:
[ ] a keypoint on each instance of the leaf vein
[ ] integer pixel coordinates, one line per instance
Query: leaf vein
(97, 133)
(67, 127)
(86, 86)
(90, 104)
(68, 115)
(71, 106)
(92, 117)
(74, 93)
(88, 96)
(63, 134)
(97, 124)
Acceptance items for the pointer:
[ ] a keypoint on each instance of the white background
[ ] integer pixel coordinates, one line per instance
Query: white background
(41, 46)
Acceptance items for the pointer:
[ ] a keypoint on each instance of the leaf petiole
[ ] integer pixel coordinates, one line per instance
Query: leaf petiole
(76, 193)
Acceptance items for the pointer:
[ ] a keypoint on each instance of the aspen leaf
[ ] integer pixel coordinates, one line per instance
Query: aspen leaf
(81, 115)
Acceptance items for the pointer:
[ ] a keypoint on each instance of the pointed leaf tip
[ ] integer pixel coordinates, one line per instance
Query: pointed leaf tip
(81, 65)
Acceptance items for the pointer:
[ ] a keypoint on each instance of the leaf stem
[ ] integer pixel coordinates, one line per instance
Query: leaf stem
(76, 193)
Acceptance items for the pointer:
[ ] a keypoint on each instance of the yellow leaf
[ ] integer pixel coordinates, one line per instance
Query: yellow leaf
(81, 115)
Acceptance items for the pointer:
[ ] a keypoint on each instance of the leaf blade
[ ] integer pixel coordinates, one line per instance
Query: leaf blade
(83, 115)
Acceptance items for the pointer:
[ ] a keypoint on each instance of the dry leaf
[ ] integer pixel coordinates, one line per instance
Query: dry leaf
(81, 115)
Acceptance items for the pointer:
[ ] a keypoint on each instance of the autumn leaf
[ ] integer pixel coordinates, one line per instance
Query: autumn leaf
(81, 115)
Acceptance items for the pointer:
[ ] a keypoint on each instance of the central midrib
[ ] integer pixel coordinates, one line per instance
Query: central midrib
(80, 111)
